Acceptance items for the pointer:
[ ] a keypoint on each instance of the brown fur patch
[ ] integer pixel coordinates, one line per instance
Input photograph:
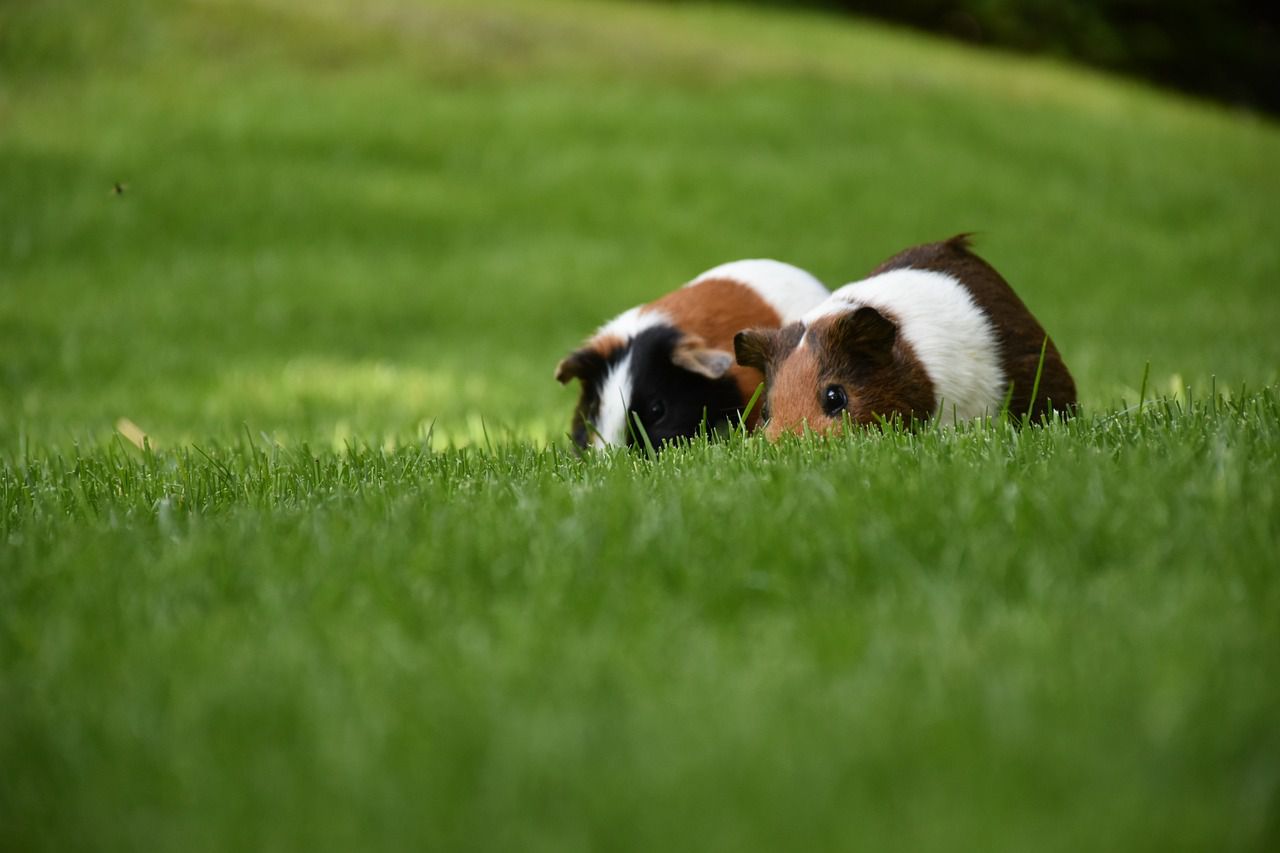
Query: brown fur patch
(898, 388)
(715, 310)
(1019, 334)
(606, 345)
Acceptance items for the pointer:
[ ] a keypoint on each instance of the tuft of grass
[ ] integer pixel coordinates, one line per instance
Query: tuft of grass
(637, 428)
(750, 407)
(1035, 384)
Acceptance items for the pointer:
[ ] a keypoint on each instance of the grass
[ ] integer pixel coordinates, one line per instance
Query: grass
(356, 592)
(986, 635)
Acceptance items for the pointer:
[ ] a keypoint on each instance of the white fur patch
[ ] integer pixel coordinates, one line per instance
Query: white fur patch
(788, 289)
(615, 390)
(632, 322)
(615, 403)
(953, 338)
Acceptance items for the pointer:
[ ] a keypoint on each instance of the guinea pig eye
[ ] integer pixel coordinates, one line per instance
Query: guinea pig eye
(834, 400)
(657, 409)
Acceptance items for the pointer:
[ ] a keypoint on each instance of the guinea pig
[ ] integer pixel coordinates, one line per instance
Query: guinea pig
(933, 331)
(670, 362)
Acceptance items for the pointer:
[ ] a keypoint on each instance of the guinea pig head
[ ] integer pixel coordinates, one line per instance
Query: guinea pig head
(850, 366)
(670, 381)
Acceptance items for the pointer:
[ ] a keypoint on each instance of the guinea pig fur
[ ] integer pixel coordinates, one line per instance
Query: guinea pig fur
(933, 331)
(670, 363)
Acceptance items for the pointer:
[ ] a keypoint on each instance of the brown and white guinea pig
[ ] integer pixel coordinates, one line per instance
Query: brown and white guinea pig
(933, 330)
(671, 362)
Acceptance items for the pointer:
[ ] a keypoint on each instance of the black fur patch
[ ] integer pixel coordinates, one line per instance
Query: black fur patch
(671, 401)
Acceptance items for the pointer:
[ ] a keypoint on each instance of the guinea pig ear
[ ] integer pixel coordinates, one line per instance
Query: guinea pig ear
(866, 335)
(693, 354)
(580, 364)
(757, 348)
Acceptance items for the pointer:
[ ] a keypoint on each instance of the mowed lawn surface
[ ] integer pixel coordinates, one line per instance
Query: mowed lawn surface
(359, 595)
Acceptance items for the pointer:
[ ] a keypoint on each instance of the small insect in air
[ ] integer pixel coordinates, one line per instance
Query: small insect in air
(119, 188)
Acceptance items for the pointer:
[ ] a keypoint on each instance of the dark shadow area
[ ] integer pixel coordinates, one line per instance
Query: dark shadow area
(1228, 50)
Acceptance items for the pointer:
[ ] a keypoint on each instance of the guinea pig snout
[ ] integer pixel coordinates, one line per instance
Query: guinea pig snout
(793, 396)
(774, 430)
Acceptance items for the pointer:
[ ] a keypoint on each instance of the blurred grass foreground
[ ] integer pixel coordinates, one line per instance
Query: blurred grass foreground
(350, 590)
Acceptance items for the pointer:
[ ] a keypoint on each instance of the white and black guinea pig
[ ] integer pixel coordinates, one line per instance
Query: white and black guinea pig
(933, 331)
(670, 363)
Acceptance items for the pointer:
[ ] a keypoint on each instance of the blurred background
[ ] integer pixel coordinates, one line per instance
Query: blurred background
(377, 220)
(1227, 49)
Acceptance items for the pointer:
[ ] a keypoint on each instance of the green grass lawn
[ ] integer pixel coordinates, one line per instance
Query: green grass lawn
(357, 594)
